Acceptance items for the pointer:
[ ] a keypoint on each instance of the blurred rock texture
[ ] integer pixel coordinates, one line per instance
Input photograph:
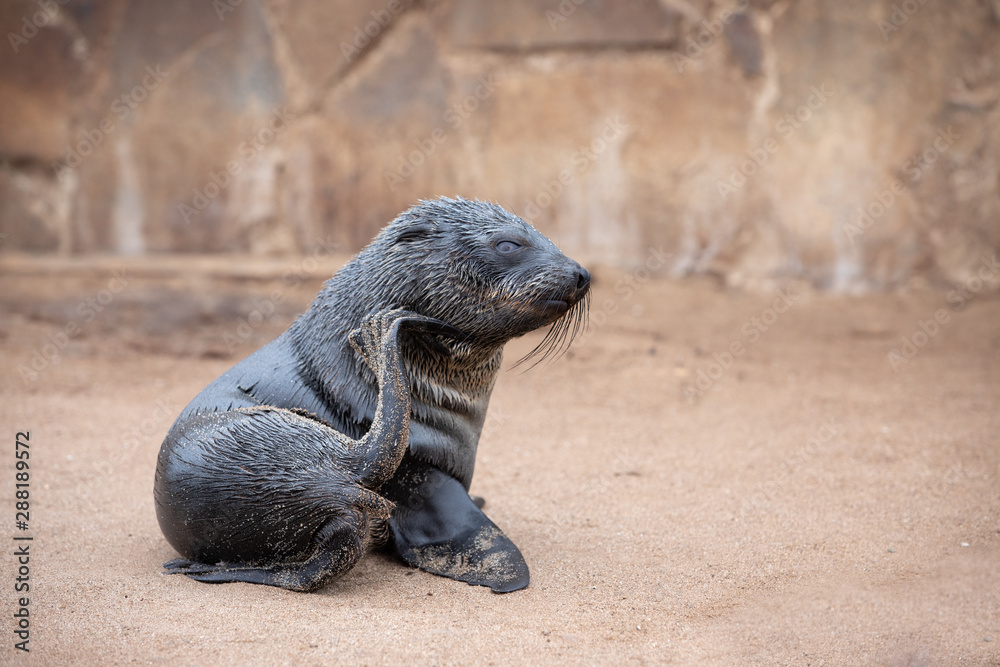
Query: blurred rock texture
(855, 145)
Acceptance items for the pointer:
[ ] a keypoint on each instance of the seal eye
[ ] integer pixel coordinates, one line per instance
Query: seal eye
(507, 247)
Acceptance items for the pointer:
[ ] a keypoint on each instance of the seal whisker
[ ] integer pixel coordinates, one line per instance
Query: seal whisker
(560, 335)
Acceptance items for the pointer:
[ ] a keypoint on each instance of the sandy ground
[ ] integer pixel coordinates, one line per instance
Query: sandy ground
(800, 502)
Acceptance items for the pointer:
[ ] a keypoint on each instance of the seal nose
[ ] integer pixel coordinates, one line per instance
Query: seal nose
(582, 278)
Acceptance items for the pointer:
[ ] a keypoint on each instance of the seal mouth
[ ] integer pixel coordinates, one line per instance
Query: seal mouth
(560, 306)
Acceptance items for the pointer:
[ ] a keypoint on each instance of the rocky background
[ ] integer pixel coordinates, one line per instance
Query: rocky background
(854, 145)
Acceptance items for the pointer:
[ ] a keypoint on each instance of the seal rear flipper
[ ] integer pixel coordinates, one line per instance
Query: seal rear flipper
(279, 576)
(337, 552)
(438, 528)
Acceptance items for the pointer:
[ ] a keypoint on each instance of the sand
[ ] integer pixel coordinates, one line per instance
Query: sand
(707, 478)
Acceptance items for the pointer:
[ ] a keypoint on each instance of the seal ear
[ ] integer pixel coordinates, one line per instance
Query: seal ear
(416, 232)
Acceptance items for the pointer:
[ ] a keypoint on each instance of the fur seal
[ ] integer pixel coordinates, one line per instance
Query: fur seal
(470, 264)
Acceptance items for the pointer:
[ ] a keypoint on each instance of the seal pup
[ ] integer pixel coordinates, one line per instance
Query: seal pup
(482, 270)
(273, 496)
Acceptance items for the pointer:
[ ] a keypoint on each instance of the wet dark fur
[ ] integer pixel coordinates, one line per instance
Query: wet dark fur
(441, 259)
(274, 496)
(437, 259)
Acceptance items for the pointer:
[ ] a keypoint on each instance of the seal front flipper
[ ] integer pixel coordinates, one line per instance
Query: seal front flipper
(438, 528)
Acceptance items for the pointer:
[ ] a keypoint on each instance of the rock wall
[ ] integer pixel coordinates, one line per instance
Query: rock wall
(852, 144)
